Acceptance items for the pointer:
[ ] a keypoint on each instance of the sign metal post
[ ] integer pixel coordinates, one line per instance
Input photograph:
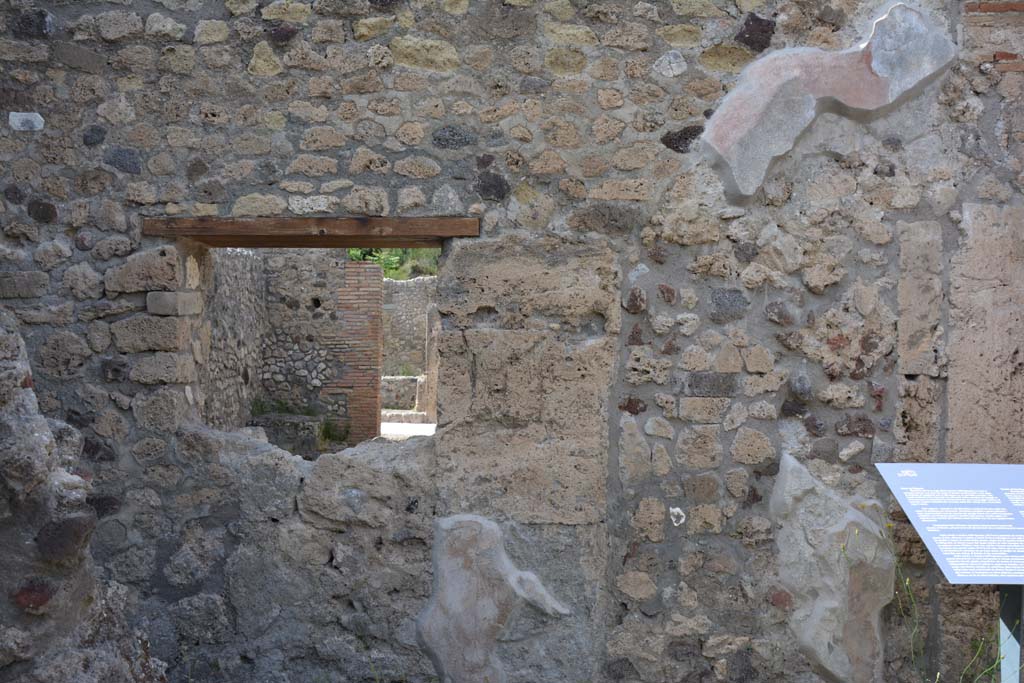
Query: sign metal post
(1011, 606)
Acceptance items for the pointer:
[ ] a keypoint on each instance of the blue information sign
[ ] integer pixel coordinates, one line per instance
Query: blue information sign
(971, 517)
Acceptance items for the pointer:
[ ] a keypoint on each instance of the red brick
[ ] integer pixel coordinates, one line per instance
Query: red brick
(989, 7)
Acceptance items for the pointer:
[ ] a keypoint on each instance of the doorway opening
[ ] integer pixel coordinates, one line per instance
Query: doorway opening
(341, 345)
(410, 325)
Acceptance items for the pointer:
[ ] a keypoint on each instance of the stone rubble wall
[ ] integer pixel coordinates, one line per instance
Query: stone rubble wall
(302, 309)
(399, 391)
(405, 323)
(58, 621)
(625, 355)
(236, 320)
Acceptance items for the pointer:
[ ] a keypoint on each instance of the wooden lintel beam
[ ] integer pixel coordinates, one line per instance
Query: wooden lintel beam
(313, 232)
(312, 242)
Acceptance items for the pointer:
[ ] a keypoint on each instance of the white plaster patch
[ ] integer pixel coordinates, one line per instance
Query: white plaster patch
(26, 121)
(670, 64)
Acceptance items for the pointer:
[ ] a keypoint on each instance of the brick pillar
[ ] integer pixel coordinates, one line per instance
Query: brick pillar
(359, 343)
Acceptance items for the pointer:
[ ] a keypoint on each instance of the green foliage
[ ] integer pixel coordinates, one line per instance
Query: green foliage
(983, 666)
(399, 264)
(332, 433)
(262, 406)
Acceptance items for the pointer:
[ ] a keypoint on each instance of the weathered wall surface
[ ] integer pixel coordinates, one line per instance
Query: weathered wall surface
(625, 357)
(235, 319)
(57, 622)
(405, 323)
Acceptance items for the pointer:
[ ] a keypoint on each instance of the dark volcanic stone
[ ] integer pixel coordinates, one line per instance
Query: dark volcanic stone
(212, 191)
(636, 336)
(636, 301)
(800, 387)
(620, 669)
(741, 668)
(633, 405)
(492, 186)
(711, 384)
(124, 159)
(34, 594)
(97, 451)
(670, 347)
(657, 253)
(532, 85)
(77, 57)
(104, 505)
(746, 252)
(815, 425)
(779, 313)
(727, 305)
(77, 418)
(44, 212)
(667, 293)
(885, 169)
(682, 140)
(115, 369)
(35, 24)
(14, 194)
(197, 168)
(13, 99)
(893, 144)
(756, 33)
(454, 137)
(94, 135)
(856, 425)
(64, 539)
(791, 408)
(684, 650)
(281, 33)
(652, 607)
(85, 240)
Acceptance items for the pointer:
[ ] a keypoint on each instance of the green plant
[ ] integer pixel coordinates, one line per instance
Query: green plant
(406, 370)
(262, 406)
(399, 264)
(907, 608)
(330, 432)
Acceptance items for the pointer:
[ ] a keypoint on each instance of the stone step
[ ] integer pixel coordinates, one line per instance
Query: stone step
(403, 416)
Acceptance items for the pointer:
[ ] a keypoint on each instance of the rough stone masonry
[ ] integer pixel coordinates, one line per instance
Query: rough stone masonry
(667, 393)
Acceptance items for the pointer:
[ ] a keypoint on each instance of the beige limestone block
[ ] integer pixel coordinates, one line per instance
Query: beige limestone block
(986, 361)
(637, 585)
(425, 53)
(920, 335)
(751, 447)
(264, 62)
(699, 447)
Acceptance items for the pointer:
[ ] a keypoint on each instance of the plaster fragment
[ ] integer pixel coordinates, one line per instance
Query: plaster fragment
(780, 95)
(25, 121)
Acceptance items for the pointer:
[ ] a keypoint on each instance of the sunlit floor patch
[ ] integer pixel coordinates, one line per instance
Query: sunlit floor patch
(401, 430)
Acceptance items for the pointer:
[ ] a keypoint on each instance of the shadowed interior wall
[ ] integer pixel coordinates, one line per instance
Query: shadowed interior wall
(405, 323)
